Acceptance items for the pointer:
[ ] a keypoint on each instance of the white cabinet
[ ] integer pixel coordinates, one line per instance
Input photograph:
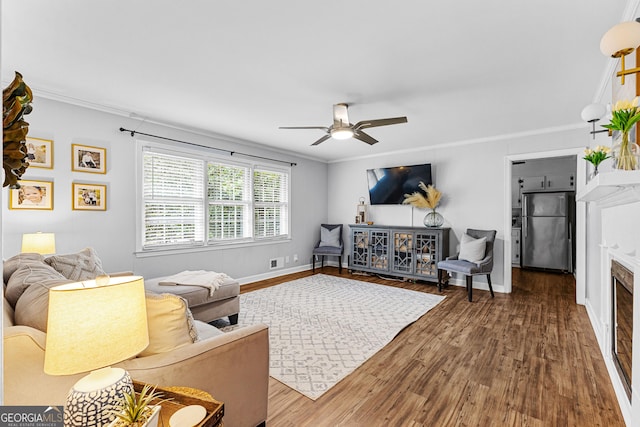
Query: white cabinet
(515, 247)
(560, 183)
(548, 183)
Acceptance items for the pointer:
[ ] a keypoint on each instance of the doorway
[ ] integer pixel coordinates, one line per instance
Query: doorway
(554, 164)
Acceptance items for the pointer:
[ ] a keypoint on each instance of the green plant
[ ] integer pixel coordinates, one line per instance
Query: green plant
(624, 115)
(597, 155)
(135, 409)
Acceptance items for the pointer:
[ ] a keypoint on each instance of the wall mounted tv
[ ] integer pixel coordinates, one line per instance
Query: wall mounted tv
(387, 186)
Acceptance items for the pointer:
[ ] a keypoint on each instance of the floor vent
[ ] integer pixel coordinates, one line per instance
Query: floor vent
(276, 263)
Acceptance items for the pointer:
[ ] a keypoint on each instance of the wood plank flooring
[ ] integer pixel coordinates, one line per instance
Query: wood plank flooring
(529, 358)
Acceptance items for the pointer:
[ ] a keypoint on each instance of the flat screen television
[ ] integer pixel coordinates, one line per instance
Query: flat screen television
(387, 186)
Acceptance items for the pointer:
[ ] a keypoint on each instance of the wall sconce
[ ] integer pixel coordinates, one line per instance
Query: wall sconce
(591, 114)
(619, 42)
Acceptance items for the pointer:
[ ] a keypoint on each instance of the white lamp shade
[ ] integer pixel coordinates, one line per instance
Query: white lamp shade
(91, 326)
(625, 35)
(40, 243)
(593, 112)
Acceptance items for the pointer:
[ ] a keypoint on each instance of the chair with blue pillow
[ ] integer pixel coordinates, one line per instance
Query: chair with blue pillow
(475, 258)
(330, 244)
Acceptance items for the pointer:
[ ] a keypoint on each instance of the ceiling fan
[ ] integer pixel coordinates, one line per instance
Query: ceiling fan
(343, 129)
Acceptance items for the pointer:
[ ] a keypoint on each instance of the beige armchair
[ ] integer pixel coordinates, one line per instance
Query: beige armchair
(233, 367)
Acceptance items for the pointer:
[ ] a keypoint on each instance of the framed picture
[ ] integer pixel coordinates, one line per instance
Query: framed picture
(85, 158)
(36, 195)
(89, 197)
(40, 153)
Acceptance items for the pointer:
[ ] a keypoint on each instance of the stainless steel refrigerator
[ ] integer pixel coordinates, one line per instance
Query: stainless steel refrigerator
(548, 227)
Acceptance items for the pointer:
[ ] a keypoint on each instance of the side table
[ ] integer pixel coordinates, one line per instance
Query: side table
(185, 396)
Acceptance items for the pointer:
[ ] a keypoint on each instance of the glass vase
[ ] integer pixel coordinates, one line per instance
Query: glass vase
(433, 219)
(594, 172)
(626, 155)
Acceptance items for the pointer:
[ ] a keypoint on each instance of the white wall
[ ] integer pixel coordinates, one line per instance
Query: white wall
(471, 178)
(112, 233)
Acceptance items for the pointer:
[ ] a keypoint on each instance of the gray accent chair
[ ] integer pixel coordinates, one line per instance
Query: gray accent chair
(322, 249)
(470, 269)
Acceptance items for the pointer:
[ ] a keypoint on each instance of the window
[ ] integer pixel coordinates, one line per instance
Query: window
(229, 201)
(172, 200)
(271, 207)
(197, 200)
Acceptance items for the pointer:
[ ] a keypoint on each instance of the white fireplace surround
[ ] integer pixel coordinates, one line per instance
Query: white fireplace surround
(618, 241)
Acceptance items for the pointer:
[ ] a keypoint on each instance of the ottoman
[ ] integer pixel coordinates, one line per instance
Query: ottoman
(225, 301)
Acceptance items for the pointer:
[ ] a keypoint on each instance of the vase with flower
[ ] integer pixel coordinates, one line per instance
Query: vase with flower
(597, 155)
(624, 115)
(430, 201)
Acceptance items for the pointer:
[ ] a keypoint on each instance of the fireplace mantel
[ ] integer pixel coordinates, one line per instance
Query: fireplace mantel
(613, 188)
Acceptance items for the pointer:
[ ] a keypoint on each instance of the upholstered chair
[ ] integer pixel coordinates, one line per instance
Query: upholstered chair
(475, 258)
(330, 244)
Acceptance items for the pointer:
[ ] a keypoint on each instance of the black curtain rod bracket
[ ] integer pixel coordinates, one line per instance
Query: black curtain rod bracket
(231, 153)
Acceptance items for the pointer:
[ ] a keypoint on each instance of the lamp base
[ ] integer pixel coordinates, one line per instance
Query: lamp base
(91, 400)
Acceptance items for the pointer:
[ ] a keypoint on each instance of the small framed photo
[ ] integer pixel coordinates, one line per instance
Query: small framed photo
(89, 197)
(85, 158)
(40, 153)
(33, 195)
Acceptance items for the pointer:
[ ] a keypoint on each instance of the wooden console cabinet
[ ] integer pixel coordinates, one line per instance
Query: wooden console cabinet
(411, 252)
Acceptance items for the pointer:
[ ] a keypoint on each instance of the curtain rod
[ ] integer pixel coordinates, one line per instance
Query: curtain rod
(231, 153)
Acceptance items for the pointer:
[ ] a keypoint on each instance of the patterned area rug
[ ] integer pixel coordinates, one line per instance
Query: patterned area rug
(321, 328)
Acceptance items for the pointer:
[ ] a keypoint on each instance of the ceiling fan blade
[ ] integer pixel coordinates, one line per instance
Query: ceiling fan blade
(326, 129)
(358, 134)
(380, 122)
(340, 116)
(324, 138)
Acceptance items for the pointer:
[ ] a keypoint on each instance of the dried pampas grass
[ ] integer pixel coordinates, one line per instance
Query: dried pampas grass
(418, 200)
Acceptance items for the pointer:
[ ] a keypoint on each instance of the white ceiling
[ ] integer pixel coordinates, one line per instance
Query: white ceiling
(459, 70)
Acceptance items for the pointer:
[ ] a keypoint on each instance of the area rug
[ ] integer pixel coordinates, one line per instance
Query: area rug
(321, 328)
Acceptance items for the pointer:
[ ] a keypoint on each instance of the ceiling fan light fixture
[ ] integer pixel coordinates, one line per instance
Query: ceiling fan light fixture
(341, 133)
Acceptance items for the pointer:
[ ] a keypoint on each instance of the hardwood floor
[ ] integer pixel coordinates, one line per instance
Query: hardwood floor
(529, 358)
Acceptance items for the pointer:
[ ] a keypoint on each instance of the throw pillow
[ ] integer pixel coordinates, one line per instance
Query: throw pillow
(329, 237)
(84, 265)
(28, 274)
(471, 249)
(15, 262)
(32, 309)
(170, 323)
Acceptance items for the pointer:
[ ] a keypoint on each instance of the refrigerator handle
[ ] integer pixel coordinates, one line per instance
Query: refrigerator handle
(525, 227)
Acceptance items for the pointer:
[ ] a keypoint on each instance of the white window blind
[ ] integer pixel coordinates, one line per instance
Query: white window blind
(198, 199)
(271, 203)
(229, 193)
(173, 200)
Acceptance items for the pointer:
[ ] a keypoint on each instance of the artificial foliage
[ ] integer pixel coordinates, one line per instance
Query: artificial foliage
(135, 408)
(16, 102)
(419, 200)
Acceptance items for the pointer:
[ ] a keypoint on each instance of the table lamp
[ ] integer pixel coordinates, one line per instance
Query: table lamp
(39, 243)
(91, 325)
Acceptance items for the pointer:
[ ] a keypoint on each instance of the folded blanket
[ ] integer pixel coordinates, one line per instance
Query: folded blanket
(207, 279)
